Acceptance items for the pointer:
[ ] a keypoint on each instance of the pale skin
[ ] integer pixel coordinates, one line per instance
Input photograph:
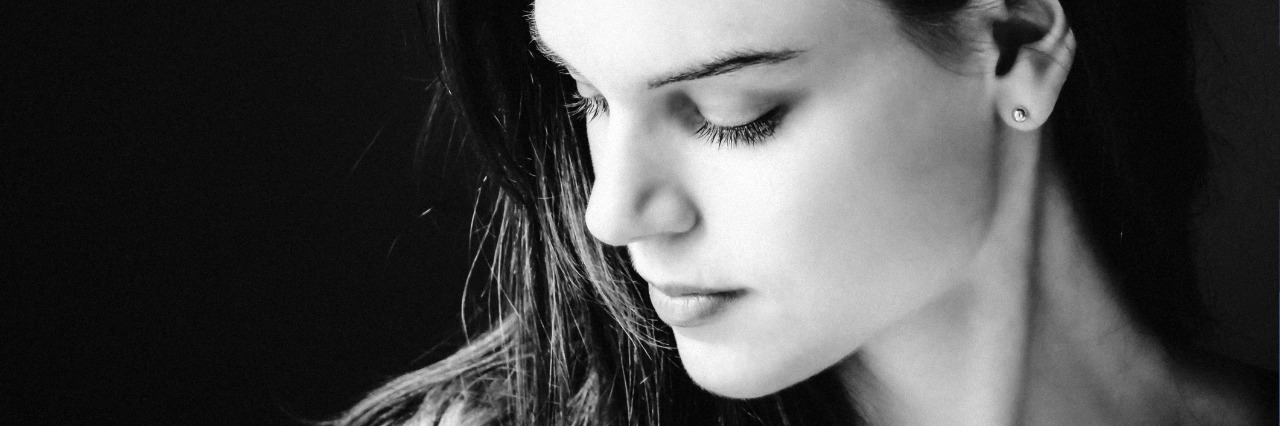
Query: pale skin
(898, 224)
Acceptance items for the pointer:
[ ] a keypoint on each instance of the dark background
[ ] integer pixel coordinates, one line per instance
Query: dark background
(212, 216)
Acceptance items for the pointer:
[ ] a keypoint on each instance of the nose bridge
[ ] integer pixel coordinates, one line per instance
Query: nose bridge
(637, 191)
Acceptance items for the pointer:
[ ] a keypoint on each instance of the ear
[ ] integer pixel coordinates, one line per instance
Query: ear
(1036, 49)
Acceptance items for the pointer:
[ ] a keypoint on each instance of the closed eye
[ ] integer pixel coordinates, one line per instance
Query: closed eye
(750, 133)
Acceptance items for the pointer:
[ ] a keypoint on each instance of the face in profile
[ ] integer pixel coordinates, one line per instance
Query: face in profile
(793, 179)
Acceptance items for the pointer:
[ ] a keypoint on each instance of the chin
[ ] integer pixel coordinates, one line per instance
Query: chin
(733, 388)
(735, 376)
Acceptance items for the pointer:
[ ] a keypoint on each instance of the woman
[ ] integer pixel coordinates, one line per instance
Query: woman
(827, 212)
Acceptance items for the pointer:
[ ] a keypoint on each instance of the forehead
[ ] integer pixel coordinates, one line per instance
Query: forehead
(633, 40)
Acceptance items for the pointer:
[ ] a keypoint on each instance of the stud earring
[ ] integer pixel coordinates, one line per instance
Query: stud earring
(1020, 114)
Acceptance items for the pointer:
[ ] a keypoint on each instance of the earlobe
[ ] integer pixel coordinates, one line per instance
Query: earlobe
(1036, 50)
(1020, 114)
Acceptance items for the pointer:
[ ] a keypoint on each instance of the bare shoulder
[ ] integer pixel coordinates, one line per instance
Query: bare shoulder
(1216, 390)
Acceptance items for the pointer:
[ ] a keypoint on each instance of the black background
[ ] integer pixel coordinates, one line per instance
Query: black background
(212, 215)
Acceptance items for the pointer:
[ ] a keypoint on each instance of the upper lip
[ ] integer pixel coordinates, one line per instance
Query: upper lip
(681, 289)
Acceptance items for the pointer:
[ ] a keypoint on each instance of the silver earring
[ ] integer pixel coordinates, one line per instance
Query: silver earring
(1020, 114)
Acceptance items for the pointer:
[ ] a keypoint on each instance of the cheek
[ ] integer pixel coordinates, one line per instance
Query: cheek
(858, 213)
(836, 247)
(891, 194)
(844, 227)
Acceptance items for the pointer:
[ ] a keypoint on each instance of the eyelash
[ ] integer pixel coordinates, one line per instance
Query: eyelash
(587, 108)
(747, 134)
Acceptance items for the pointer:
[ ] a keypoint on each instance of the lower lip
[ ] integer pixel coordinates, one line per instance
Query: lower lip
(690, 310)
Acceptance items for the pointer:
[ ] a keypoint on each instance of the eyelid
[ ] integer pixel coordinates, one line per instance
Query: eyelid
(583, 86)
(753, 132)
(750, 133)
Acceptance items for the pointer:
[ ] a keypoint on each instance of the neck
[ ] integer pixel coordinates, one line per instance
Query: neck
(1030, 333)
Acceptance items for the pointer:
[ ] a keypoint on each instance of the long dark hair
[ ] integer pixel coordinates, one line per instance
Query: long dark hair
(571, 338)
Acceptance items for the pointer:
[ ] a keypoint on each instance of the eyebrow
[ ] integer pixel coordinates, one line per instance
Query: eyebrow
(723, 64)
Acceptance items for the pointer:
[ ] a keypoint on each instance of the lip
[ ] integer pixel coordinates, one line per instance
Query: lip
(689, 306)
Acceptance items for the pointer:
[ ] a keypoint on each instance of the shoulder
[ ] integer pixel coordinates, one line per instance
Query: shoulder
(1216, 390)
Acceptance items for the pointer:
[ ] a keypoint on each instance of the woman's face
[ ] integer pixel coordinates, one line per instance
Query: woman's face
(806, 156)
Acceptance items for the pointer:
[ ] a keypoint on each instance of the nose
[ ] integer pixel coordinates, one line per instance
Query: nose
(638, 191)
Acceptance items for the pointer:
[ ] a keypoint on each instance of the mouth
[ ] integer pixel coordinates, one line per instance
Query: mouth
(684, 306)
